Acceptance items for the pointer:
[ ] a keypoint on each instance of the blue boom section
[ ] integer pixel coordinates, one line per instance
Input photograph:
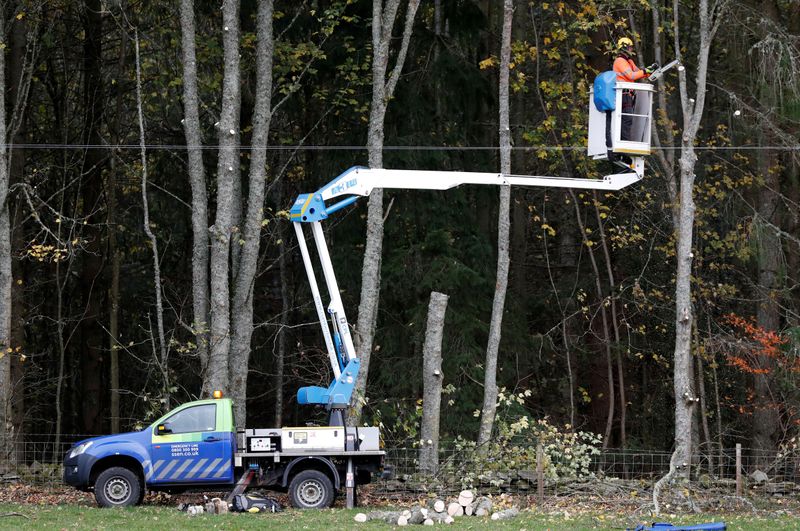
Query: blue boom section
(311, 207)
(338, 394)
(308, 208)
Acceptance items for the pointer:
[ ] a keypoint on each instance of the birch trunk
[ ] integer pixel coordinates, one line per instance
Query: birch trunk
(163, 360)
(432, 378)
(383, 19)
(197, 181)
(683, 374)
(216, 377)
(5, 270)
(503, 229)
(242, 314)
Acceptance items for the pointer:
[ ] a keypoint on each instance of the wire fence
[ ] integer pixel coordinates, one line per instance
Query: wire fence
(753, 472)
(38, 461)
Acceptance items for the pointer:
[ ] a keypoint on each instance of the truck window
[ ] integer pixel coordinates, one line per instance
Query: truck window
(193, 419)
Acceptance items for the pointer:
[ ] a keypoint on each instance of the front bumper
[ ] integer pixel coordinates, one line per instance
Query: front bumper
(77, 470)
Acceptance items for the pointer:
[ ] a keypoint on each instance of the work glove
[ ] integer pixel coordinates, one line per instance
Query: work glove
(652, 68)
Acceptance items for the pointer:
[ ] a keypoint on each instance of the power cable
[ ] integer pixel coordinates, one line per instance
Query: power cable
(181, 147)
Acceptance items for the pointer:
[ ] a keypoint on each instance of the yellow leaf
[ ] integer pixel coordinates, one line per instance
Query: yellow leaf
(487, 63)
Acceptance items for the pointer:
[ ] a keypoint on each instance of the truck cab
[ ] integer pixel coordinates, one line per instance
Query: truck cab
(196, 446)
(192, 445)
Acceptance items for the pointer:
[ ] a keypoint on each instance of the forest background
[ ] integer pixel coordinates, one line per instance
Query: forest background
(111, 311)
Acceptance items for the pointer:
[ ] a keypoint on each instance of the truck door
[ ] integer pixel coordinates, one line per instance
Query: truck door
(189, 446)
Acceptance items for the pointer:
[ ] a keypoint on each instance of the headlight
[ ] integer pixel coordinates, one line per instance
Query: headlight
(78, 450)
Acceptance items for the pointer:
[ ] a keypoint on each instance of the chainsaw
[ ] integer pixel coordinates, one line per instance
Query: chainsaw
(661, 70)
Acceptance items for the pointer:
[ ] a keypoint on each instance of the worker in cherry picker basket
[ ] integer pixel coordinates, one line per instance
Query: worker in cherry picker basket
(627, 70)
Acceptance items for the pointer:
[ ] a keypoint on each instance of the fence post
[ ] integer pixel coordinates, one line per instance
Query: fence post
(738, 469)
(540, 473)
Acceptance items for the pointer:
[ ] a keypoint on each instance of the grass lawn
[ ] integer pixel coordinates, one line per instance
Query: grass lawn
(152, 517)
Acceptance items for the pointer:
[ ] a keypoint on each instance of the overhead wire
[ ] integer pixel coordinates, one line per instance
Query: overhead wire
(178, 147)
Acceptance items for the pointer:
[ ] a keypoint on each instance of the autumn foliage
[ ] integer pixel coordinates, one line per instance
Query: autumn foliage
(755, 344)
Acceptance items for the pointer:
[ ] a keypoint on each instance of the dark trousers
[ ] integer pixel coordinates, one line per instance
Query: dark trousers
(628, 104)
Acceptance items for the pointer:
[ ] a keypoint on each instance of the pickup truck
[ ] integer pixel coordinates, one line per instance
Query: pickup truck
(196, 446)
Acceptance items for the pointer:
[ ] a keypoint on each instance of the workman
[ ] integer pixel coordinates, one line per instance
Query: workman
(627, 71)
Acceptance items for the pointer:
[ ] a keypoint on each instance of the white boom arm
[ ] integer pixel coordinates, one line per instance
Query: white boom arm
(359, 182)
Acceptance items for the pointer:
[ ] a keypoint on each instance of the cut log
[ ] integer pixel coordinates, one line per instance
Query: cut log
(427, 521)
(468, 510)
(438, 506)
(220, 506)
(406, 513)
(505, 515)
(424, 511)
(455, 509)
(438, 517)
(449, 519)
(390, 517)
(482, 506)
(210, 508)
(402, 520)
(465, 498)
(360, 518)
(417, 515)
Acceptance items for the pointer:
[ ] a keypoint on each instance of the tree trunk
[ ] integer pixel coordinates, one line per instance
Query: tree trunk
(683, 375)
(242, 315)
(20, 68)
(113, 250)
(766, 423)
(701, 387)
(5, 272)
(92, 333)
(216, 377)
(765, 416)
(383, 18)
(603, 314)
(197, 180)
(163, 351)
(432, 378)
(503, 230)
(682, 370)
(612, 288)
(283, 332)
(665, 157)
(693, 114)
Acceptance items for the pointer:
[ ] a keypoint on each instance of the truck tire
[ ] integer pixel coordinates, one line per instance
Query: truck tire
(117, 487)
(311, 489)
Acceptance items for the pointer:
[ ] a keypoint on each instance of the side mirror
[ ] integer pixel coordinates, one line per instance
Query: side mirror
(163, 429)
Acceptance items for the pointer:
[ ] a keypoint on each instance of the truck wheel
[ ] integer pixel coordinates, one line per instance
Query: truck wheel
(311, 489)
(117, 487)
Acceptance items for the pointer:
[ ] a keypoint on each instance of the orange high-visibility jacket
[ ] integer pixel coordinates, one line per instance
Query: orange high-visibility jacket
(627, 70)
